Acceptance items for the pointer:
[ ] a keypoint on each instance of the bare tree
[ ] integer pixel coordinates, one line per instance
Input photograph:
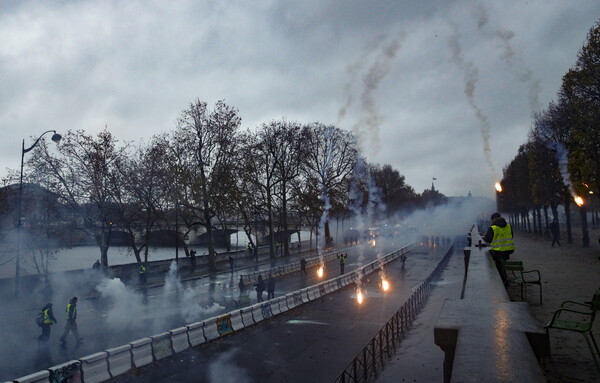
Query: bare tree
(212, 135)
(81, 175)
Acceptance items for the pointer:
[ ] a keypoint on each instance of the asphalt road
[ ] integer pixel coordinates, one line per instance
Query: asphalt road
(122, 314)
(311, 343)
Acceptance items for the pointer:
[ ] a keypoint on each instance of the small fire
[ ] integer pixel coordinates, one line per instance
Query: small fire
(373, 243)
(385, 285)
(498, 187)
(578, 200)
(359, 296)
(320, 272)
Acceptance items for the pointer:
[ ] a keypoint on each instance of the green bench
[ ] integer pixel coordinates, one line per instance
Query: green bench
(516, 273)
(578, 317)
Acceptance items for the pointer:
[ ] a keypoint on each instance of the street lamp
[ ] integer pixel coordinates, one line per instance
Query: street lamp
(56, 138)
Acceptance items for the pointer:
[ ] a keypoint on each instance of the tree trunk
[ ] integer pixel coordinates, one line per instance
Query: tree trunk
(286, 241)
(539, 217)
(271, 232)
(584, 226)
(568, 218)
(534, 218)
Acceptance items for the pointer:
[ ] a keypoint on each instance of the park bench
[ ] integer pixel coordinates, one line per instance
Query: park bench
(578, 317)
(516, 273)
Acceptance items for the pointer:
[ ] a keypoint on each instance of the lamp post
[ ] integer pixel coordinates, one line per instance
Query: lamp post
(56, 138)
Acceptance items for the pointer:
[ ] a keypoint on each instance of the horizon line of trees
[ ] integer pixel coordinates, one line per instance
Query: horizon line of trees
(205, 172)
(561, 159)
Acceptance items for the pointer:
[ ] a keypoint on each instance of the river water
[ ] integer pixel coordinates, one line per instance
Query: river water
(83, 257)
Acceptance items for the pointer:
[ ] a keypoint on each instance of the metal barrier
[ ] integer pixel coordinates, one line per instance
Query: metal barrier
(371, 358)
(115, 361)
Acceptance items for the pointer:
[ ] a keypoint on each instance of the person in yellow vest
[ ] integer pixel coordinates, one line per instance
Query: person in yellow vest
(143, 274)
(46, 321)
(500, 238)
(71, 324)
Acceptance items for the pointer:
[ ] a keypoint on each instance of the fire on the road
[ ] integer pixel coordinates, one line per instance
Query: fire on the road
(320, 271)
(359, 296)
(385, 285)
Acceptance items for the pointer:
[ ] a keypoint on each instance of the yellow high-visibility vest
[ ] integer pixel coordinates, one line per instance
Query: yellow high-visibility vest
(503, 240)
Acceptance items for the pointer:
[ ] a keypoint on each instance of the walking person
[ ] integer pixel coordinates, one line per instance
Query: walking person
(270, 287)
(555, 232)
(260, 288)
(500, 238)
(71, 324)
(193, 259)
(231, 263)
(303, 267)
(45, 320)
(143, 274)
(241, 286)
(342, 257)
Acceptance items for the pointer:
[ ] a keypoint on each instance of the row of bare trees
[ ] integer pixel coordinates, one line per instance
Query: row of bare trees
(209, 172)
(560, 162)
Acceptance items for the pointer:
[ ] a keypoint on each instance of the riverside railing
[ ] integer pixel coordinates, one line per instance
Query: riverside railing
(371, 359)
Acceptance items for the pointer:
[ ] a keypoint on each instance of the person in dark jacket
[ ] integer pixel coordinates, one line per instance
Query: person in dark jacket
(270, 287)
(500, 238)
(555, 232)
(303, 267)
(260, 288)
(48, 320)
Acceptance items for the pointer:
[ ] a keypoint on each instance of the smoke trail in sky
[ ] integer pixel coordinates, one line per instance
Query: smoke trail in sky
(353, 71)
(509, 56)
(378, 56)
(562, 155)
(377, 71)
(471, 76)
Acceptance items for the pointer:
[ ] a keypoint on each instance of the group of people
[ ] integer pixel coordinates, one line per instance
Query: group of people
(260, 287)
(46, 320)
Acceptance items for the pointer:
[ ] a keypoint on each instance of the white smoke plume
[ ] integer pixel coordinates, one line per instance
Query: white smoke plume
(509, 55)
(562, 156)
(225, 370)
(124, 304)
(471, 76)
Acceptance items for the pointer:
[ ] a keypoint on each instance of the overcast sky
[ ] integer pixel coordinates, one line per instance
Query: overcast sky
(440, 89)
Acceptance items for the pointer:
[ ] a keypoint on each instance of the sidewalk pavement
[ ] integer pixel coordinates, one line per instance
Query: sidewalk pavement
(569, 272)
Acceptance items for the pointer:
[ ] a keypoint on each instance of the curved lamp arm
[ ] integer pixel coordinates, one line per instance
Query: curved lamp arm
(55, 137)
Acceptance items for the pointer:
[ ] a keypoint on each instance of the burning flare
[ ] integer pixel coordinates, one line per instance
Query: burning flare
(359, 296)
(385, 285)
(498, 187)
(320, 271)
(578, 200)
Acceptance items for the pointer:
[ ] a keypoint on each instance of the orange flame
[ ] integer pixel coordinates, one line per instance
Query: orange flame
(578, 200)
(498, 187)
(359, 296)
(385, 285)
(320, 272)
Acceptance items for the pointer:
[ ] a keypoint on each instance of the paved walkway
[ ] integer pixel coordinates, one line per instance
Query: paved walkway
(570, 272)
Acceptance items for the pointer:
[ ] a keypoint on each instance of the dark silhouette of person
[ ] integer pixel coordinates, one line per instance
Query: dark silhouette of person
(260, 288)
(270, 287)
(231, 263)
(555, 232)
(71, 324)
(96, 265)
(47, 321)
(241, 286)
(303, 267)
(342, 257)
(193, 259)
